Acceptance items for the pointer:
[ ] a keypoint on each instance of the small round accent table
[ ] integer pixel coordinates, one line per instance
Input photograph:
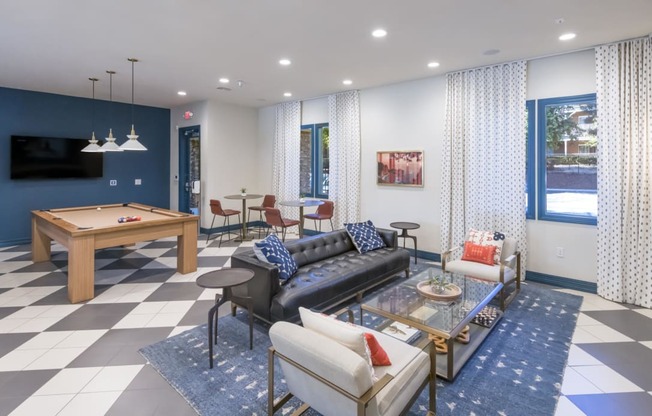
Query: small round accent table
(405, 226)
(226, 279)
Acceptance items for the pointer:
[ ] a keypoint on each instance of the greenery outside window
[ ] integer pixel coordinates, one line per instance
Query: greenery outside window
(314, 166)
(567, 159)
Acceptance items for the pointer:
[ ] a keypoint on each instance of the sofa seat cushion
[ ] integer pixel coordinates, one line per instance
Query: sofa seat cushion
(479, 270)
(328, 281)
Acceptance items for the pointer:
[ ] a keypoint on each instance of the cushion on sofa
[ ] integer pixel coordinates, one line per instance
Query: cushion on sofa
(272, 250)
(478, 253)
(364, 236)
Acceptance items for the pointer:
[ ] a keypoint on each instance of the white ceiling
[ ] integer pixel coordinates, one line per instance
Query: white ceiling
(54, 46)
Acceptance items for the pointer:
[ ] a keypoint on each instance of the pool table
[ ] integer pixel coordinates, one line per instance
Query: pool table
(84, 229)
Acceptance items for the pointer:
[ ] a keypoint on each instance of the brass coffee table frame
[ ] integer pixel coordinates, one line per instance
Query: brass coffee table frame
(458, 354)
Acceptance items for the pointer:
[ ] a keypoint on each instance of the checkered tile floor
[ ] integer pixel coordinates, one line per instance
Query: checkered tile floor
(63, 359)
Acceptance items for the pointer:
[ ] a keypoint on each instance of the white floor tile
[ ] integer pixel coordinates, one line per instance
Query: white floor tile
(42, 405)
(36, 325)
(112, 378)
(29, 312)
(60, 311)
(209, 294)
(45, 340)
(55, 358)
(148, 308)
(179, 329)
(134, 321)
(18, 279)
(606, 334)
(606, 379)
(10, 266)
(162, 263)
(566, 408)
(90, 404)
(178, 306)
(582, 336)
(7, 325)
(82, 339)
(645, 312)
(148, 252)
(647, 344)
(577, 356)
(165, 319)
(17, 360)
(595, 303)
(189, 277)
(584, 320)
(575, 383)
(68, 381)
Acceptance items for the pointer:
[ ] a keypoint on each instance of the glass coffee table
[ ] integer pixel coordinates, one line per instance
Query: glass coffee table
(445, 319)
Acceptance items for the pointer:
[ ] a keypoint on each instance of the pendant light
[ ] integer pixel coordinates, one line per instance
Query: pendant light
(132, 143)
(110, 145)
(92, 143)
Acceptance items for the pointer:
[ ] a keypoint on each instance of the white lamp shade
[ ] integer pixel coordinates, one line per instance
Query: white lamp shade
(132, 143)
(110, 145)
(92, 146)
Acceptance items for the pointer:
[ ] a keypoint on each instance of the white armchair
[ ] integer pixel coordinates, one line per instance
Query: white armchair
(334, 380)
(507, 272)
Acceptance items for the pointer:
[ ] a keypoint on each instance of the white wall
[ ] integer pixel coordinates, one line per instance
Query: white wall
(410, 116)
(229, 153)
(569, 74)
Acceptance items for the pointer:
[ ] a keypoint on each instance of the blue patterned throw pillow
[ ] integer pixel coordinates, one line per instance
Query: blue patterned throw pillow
(364, 236)
(272, 250)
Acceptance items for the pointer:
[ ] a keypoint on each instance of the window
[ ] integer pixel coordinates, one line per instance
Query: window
(566, 160)
(314, 160)
(530, 141)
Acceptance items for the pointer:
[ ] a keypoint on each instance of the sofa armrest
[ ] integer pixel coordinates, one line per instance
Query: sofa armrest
(262, 287)
(390, 237)
(445, 257)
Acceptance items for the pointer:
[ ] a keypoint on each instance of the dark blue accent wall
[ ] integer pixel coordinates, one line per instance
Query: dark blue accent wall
(31, 113)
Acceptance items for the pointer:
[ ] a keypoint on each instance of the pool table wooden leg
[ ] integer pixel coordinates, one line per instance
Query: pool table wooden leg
(187, 249)
(81, 268)
(40, 244)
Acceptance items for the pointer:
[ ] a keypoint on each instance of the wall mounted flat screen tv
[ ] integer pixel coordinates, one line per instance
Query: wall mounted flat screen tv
(53, 158)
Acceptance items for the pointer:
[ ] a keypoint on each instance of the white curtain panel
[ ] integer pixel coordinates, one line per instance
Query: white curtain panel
(344, 156)
(624, 101)
(483, 166)
(286, 169)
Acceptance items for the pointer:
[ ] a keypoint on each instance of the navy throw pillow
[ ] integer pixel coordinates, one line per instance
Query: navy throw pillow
(364, 236)
(272, 250)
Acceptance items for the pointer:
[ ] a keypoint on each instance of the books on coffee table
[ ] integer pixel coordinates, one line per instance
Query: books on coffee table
(403, 332)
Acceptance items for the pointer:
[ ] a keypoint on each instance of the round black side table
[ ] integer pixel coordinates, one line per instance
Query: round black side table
(405, 226)
(226, 279)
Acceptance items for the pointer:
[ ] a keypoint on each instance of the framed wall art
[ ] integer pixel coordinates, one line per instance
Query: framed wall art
(400, 168)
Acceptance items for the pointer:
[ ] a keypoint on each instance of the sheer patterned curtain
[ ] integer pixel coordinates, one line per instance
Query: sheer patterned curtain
(344, 156)
(624, 101)
(483, 167)
(287, 142)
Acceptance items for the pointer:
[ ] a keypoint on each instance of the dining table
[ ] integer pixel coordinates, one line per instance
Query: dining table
(244, 198)
(301, 203)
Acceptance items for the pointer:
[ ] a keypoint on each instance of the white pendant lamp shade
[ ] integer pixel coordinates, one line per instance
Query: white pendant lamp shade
(132, 143)
(110, 145)
(92, 143)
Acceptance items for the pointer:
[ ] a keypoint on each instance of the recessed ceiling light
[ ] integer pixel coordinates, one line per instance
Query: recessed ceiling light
(347, 82)
(379, 33)
(567, 36)
(182, 93)
(287, 94)
(224, 80)
(490, 52)
(285, 62)
(433, 64)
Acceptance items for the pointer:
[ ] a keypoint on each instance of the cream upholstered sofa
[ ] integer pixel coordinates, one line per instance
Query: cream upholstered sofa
(507, 271)
(335, 380)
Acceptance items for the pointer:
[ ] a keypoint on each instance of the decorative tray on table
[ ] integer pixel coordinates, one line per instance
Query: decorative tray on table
(450, 293)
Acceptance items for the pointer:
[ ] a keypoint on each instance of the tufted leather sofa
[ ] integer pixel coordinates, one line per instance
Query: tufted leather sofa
(331, 271)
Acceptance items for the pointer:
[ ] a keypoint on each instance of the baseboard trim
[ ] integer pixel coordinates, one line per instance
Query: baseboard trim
(559, 281)
(17, 242)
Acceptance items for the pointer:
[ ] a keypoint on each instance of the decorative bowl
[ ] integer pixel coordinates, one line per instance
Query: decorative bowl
(451, 292)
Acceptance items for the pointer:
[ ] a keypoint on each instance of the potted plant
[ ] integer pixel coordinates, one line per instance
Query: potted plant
(439, 284)
(243, 191)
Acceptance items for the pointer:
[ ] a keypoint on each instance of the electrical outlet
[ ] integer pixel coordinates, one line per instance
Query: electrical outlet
(113, 182)
(138, 182)
(560, 251)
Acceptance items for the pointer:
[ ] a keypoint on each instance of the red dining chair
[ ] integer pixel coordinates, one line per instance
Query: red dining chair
(268, 202)
(216, 209)
(274, 219)
(324, 212)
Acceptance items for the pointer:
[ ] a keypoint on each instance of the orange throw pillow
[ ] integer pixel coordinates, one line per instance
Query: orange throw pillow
(478, 253)
(378, 355)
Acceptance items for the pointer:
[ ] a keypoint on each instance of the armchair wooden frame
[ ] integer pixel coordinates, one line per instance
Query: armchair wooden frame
(363, 401)
(508, 262)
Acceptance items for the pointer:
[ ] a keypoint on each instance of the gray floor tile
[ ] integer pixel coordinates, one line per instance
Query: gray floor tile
(45, 266)
(23, 383)
(112, 253)
(147, 378)
(212, 261)
(6, 311)
(128, 264)
(630, 323)
(198, 313)
(9, 404)
(614, 404)
(51, 279)
(9, 342)
(175, 291)
(170, 253)
(161, 244)
(151, 402)
(629, 359)
(94, 316)
(150, 276)
(60, 297)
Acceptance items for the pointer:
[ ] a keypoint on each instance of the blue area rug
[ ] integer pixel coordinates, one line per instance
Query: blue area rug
(518, 370)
